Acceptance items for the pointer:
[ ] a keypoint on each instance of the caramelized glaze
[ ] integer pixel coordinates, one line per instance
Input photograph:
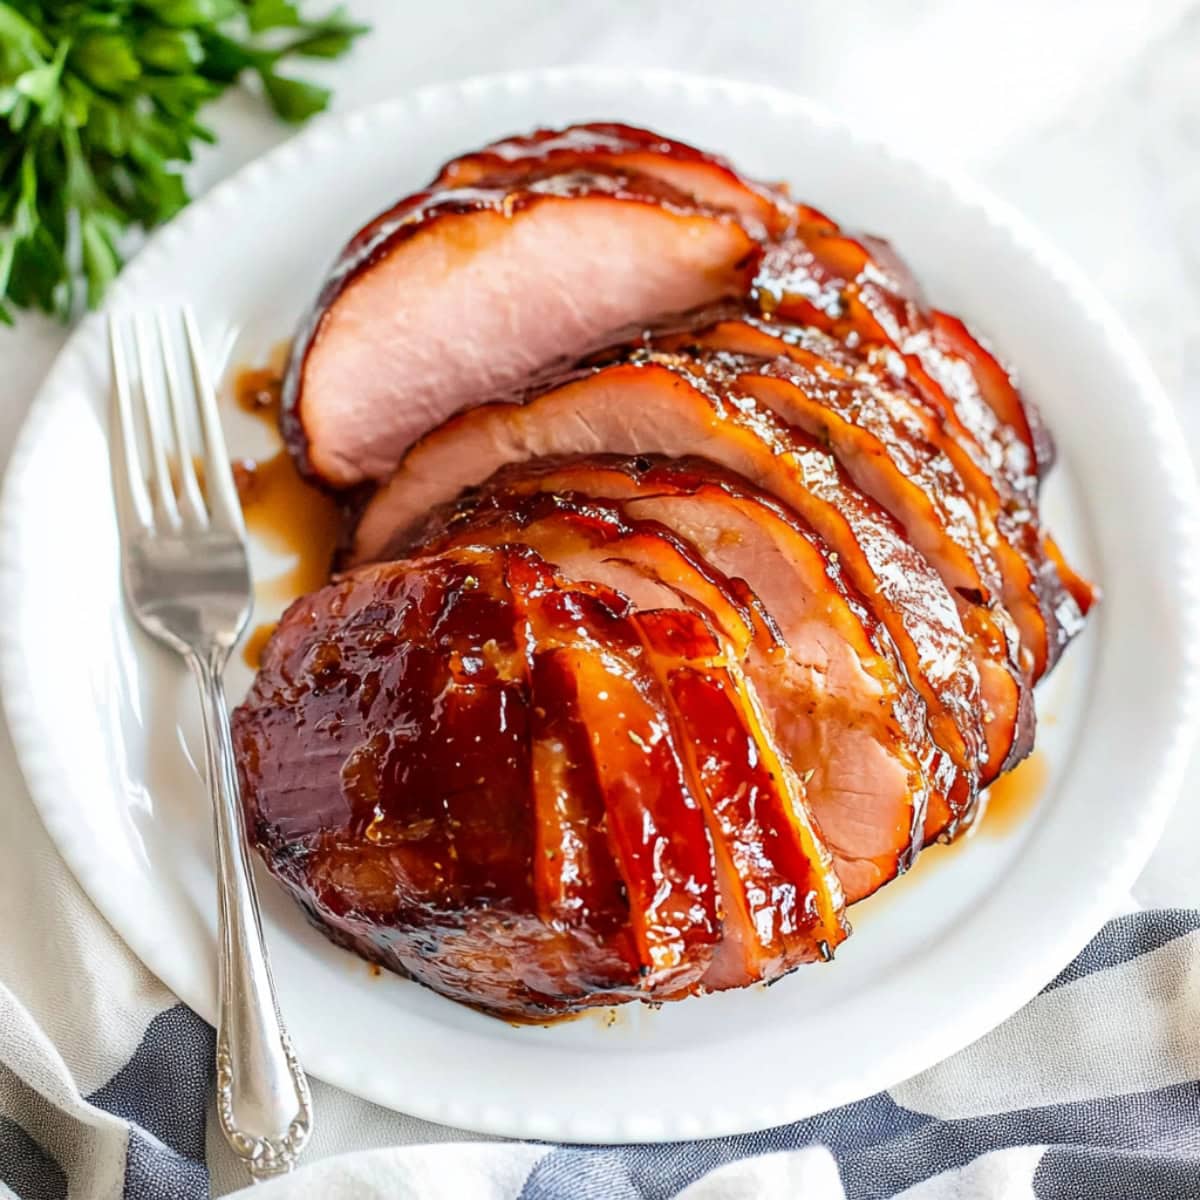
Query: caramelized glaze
(387, 750)
(829, 723)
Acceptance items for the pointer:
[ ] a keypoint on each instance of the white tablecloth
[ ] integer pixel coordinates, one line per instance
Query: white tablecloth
(1085, 114)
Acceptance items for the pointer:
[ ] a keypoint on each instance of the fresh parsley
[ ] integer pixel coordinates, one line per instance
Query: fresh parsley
(99, 112)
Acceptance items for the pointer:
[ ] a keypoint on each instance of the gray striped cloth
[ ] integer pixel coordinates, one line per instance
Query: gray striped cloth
(1090, 1091)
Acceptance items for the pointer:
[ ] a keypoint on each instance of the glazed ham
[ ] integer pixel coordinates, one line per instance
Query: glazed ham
(555, 863)
(825, 676)
(1044, 610)
(661, 406)
(694, 581)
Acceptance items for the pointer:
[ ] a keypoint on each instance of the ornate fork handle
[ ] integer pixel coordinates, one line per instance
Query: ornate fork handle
(263, 1100)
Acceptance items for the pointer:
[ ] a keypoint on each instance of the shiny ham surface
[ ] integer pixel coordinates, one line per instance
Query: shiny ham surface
(544, 799)
(824, 675)
(666, 405)
(704, 177)
(693, 583)
(1042, 605)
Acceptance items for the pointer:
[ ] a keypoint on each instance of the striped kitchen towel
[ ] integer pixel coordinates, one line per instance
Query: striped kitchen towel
(1089, 1091)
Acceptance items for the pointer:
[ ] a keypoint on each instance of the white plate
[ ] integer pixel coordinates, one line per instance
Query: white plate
(105, 724)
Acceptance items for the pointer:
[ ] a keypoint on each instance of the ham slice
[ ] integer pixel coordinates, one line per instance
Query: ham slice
(460, 295)
(662, 407)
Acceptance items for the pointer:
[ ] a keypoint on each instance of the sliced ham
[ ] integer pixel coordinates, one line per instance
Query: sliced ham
(771, 866)
(911, 479)
(591, 541)
(435, 712)
(858, 289)
(842, 711)
(579, 887)
(655, 822)
(694, 580)
(783, 902)
(1033, 588)
(661, 407)
(465, 294)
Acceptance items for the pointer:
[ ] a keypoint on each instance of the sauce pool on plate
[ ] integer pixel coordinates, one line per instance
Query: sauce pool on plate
(282, 512)
(254, 645)
(1013, 796)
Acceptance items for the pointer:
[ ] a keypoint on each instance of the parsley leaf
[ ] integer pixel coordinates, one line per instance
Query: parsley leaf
(100, 111)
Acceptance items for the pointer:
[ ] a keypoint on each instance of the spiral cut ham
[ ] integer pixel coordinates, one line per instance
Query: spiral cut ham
(694, 581)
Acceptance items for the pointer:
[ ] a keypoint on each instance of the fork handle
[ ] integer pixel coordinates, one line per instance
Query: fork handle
(263, 1100)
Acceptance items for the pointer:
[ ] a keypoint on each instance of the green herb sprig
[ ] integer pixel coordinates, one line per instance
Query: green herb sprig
(99, 113)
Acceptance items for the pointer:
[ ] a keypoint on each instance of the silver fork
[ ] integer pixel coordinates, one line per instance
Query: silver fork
(187, 581)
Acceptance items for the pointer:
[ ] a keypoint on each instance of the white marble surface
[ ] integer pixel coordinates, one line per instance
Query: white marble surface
(1084, 113)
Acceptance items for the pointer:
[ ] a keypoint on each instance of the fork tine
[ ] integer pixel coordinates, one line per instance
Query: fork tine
(224, 506)
(131, 491)
(160, 475)
(192, 499)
